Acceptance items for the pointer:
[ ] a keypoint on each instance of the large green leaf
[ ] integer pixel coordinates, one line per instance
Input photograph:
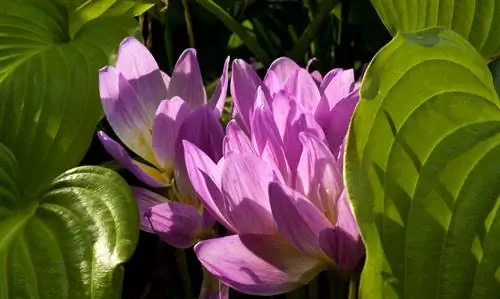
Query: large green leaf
(478, 21)
(423, 170)
(49, 100)
(69, 241)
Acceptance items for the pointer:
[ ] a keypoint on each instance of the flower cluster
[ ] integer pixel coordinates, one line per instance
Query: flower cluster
(273, 178)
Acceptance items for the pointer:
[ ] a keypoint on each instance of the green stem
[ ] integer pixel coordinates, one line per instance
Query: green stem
(339, 286)
(313, 289)
(167, 36)
(249, 40)
(353, 286)
(180, 256)
(189, 24)
(312, 29)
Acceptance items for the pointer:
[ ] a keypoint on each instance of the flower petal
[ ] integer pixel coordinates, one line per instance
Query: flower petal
(245, 178)
(218, 99)
(244, 83)
(339, 86)
(257, 264)
(145, 203)
(175, 223)
(145, 173)
(304, 90)
(299, 220)
(205, 177)
(236, 141)
(337, 121)
(169, 118)
(328, 78)
(279, 72)
(318, 175)
(344, 244)
(138, 66)
(126, 113)
(186, 81)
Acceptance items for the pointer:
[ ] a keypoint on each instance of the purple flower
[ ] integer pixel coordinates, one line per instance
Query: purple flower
(279, 186)
(151, 113)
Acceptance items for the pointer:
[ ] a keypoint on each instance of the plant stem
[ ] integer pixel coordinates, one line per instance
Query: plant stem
(339, 286)
(167, 36)
(313, 289)
(249, 40)
(189, 24)
(180, 256)
(301, 47)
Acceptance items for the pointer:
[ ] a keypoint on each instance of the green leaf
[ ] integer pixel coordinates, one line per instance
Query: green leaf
(422, 170)
(49, 95)
(477, 21)
(69, 241)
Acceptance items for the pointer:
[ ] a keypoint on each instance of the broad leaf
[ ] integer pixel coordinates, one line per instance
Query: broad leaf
(69, 241)
(49, 96)
(477, 21)
(423, 170)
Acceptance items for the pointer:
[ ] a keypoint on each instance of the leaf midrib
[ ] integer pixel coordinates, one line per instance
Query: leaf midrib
(15, 223)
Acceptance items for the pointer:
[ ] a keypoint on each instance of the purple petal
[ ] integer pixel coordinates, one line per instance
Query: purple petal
(138, 66)
(145, 173)
(245, 178)
(244, 83)
(166, 79)
(203, 129)
(279, 72)
(317, 78)
(205, 176)
(328, 78)
(257, 264)
(318, 175)
(169, 118)
(236, 141)
(176, 224)
(304, 90)
(339, 86)
(186, 81)
(212, 287)
(126, 113)
(337, 121)
(218, 99)
(344, 244)
(145, 203)
(299, 220)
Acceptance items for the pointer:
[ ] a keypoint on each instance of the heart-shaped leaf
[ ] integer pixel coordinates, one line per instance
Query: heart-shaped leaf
(477, 21)
(69, 241)
(423, 169)
(49, 96)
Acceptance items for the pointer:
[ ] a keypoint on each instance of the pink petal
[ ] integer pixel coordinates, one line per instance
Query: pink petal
(203, 129)
(328, 78)
(318, 175)
(186, 81)
(344, 244)
(337, 121)
(175, 223)
(304, 90)
(138, 66)
(145, 173)
(145, 203)
(166, 79)
(339, 86)
(236, 141)
(205, 176)
(244, 83)
(218, 99)
(257, 264)
(245, 178)
(169, 118)
(299, 220)
(126, 113)
(279, 72)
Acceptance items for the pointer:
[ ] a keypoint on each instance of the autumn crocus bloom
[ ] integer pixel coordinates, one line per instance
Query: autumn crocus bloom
(279, 189)
(151, 113)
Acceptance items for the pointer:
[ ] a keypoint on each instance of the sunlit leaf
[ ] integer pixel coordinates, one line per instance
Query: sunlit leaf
(49, 96)
(68, 242)
(422, 170)
(477, 21)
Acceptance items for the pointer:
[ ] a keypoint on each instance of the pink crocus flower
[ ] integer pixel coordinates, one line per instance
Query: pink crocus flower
(279, 187)
(151, 113)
